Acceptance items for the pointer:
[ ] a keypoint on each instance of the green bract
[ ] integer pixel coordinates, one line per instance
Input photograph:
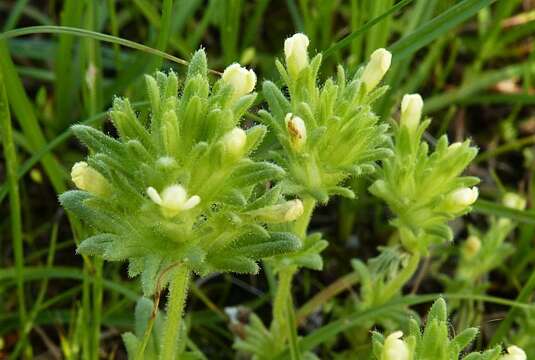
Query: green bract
(178, 186)
(424, 189)
(327, 133)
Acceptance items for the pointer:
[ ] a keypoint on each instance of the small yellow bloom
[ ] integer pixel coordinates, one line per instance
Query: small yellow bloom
(279, 213)
(471, 246)
(173, 199)
(297, 130)
(463, 197)
(411, 111)
(88, 179)
(295, 51)
(242, 80)
(394, 348)
(514, 353)
(234, 142)
(514, 201)
(376, 68)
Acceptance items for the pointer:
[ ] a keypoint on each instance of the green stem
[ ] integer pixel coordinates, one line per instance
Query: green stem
(401, 279)
(175, 307)
(97, 307)
(284, 323)
(283, 308)
(326, 294)
(301, 224)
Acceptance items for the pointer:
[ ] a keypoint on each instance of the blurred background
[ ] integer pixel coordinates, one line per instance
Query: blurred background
(472, 61)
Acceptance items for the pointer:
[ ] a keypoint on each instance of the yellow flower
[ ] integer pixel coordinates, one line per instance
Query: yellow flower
(462, 198)
(295, 51)
(242, 80)
(514, 353)
(234, 142)
(394, 348)
(411, 111)
(88, 179)
(376, 68)
(173, 199)
(297, 130)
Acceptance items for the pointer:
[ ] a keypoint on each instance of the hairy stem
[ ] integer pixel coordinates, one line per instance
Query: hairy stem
(284, 323)
(175, 307)
(282, 305)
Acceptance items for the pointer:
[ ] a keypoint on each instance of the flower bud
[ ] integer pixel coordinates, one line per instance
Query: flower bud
(234, 142)
(297, 130)
(88, 179)
(173, 199)
(514, 201)
(280, 213)
(411, 111)
(514, 353)
(295, 51)
(471, 246)
(242, 80)
(376, 68)
(394, 348)
(462, 198)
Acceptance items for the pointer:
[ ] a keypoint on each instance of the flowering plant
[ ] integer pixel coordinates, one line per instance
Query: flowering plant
(434, 342)
(184, 190)
(178, 191)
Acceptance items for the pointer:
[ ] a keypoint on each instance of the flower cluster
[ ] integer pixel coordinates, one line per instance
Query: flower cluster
(424, 189)
(435, 343)
(329, 132)
(178, 186)
(483, 252)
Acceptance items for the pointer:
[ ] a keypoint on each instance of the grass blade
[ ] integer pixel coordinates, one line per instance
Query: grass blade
(10, 154)
(441, 24)
(46, 29)
(346, 41)
(26, 117)
(491, 208)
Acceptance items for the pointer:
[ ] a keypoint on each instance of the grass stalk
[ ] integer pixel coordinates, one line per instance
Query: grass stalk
(10, 155)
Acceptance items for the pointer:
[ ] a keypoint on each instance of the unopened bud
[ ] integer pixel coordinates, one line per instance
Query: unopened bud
(471, 246)
(394, 348)
(462, 198)
(376, 68)
(234, 142)
(514, 353)
(297, 130)
(242, 80)
(514, 201)
(88, 179)
(280, 213)
(411, 111)
(295, 51)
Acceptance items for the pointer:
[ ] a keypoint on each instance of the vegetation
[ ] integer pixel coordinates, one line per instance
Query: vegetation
(303, 180)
